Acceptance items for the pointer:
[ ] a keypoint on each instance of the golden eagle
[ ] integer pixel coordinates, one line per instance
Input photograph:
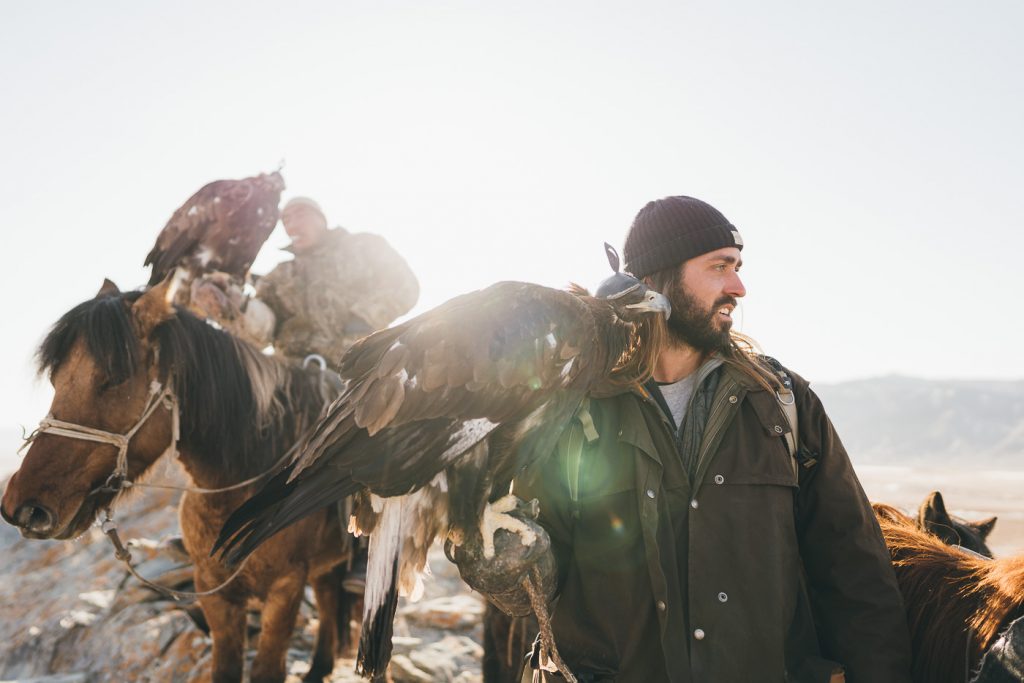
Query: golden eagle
(220, 228)
(441, 412)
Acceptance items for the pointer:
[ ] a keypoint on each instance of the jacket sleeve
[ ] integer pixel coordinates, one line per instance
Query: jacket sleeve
(268, 290)
(857, 604)
(393, 290)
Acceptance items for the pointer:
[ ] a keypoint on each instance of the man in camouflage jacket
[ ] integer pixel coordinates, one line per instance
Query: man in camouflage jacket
(339, 287)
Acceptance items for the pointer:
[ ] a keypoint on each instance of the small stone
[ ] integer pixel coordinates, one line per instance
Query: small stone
(404, 671)
(77, 617)
(102, 599)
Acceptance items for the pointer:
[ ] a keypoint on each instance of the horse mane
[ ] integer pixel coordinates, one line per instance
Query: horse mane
(947, 593)
(240, 409)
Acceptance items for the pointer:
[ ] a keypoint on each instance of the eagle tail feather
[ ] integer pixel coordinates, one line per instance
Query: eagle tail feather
(380, 601)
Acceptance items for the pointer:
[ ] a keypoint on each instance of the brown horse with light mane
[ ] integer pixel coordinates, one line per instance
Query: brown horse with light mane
(957, 602)
(134, 377)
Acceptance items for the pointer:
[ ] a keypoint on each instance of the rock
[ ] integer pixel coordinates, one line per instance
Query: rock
(455, 612)
(447, 659)
(404, 671)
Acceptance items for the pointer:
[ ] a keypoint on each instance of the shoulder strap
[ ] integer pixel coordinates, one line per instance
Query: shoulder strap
(787, 401)
(581, 431)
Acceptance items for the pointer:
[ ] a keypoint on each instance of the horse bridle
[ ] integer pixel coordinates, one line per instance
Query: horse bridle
(118, 479)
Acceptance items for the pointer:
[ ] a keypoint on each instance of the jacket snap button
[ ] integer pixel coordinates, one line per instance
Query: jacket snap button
(722, 597)
(778, 429)
(719, 479)
(650, 493)
(694, 504)
(733, 399)
(662, 606)
(699, 634)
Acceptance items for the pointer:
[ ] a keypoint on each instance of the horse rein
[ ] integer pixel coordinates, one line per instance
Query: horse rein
(118, 479)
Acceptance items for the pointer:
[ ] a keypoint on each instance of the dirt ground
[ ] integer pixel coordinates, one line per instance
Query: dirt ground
(972, 495)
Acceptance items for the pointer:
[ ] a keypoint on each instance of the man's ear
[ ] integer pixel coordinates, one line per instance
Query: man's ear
(108, 288)
(155, 305)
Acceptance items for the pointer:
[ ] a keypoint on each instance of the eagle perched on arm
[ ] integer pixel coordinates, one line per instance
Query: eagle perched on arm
(440, 413)
(220, 228)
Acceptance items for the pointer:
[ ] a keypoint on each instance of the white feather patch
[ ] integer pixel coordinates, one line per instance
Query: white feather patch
(385, 548)
(377, 503)
(205, 255)
(469, 434)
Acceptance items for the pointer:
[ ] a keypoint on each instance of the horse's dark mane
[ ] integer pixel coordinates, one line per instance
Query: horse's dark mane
(240, 409)
(947, 591)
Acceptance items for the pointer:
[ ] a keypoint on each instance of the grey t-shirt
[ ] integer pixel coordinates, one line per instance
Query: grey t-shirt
(677, 396)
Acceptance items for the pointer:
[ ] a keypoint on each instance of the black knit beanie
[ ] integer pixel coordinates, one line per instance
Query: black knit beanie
(669, 231)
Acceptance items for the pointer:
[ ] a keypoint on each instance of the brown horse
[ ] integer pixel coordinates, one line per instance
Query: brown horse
(130, 374)
(957, 602)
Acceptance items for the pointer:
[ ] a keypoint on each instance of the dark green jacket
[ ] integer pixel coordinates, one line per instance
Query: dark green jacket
(750, 574)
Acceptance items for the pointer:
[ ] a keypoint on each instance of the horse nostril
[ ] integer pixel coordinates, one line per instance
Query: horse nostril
(34, 518)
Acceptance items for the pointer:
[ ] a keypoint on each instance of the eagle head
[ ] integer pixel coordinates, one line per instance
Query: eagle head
(631, 298)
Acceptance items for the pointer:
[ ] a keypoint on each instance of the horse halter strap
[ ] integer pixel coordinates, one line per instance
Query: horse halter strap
(118, 479)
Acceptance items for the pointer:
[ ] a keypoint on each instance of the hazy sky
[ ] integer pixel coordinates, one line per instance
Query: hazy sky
(870, 153)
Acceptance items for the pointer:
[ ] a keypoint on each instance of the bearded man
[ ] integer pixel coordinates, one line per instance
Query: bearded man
(693, 541)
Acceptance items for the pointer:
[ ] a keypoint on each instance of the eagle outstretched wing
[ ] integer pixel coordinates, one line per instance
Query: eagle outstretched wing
(420, 395)
(220, 228)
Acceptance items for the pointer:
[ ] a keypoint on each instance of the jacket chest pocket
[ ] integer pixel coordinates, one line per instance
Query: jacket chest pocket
(756, 451)
(607, 533)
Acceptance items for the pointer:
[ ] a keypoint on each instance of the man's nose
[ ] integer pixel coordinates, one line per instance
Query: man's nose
(734, 287)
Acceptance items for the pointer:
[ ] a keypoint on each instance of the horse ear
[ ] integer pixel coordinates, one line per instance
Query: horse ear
(108, 288)
(984, 527)
(155, 305)
(933, 513)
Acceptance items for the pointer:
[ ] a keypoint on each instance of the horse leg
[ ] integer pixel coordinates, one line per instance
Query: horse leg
(326, 589)
(276, 626)
(226, 619)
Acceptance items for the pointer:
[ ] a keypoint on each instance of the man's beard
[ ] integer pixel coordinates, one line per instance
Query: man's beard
(695, 326)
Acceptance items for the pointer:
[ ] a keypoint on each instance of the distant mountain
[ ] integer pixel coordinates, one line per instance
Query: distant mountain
(905, 421)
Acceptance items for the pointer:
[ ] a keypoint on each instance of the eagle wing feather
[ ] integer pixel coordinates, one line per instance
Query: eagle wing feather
(420, 395)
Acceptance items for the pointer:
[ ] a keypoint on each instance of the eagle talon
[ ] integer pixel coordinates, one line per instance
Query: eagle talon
(496, 516)
(456, 535)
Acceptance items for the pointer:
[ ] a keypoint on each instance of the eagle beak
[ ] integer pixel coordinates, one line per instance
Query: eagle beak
(654, 302)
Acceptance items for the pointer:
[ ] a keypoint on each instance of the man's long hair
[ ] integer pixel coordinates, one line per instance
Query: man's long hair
(742, 352)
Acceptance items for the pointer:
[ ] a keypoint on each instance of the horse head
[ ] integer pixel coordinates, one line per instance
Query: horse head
(108, 408)
(933, 518)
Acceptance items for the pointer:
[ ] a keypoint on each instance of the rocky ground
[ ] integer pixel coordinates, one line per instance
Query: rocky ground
(70, 613)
